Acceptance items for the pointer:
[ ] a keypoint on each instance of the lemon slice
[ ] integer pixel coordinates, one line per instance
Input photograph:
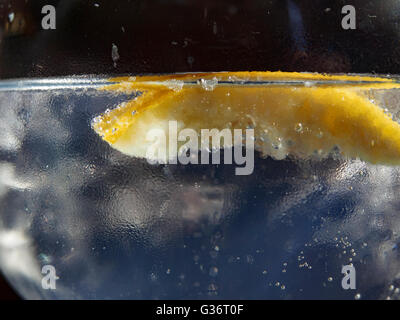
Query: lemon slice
(298, 114)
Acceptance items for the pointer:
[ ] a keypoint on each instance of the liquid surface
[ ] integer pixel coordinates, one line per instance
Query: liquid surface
(115, 226)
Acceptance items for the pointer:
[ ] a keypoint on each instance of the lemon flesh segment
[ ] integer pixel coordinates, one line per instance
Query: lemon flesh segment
(297, 121)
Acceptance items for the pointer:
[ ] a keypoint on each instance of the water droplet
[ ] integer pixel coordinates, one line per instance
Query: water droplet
(114, 54)
(215, 28)
(190, 61)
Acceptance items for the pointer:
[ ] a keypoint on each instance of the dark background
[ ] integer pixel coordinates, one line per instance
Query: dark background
(166, 36)
(162, 36)
(6, 293)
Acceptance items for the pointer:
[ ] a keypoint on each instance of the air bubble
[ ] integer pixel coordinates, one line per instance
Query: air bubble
(213, 271)
(175, 85)
(298, 127)
(277, 144)
(209, 85)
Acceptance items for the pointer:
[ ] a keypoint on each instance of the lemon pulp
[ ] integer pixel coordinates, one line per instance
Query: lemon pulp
(315, 114)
